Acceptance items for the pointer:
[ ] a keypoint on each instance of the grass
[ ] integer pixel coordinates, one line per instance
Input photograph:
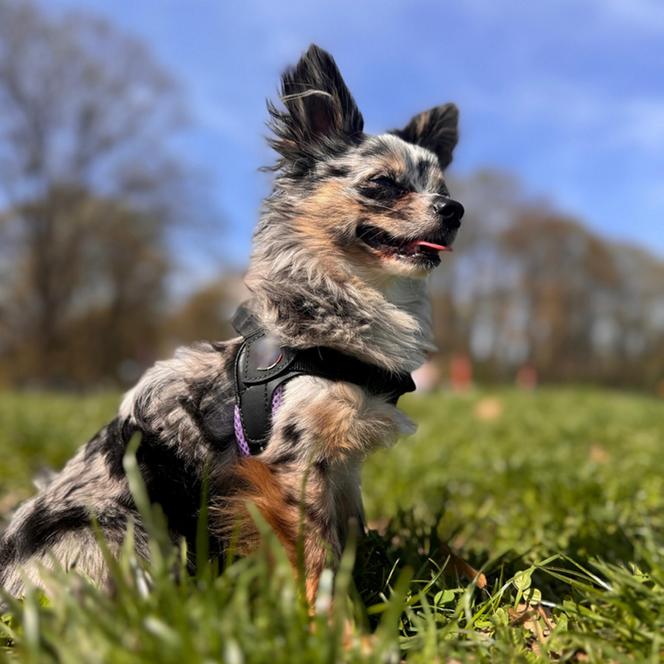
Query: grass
(558, 495)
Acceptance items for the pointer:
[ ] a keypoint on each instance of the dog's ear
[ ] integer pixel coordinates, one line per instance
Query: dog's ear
(436, 129)
(320, 116)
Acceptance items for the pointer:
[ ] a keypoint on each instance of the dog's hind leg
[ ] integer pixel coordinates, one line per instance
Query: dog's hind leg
(46, 533)
(77, 551)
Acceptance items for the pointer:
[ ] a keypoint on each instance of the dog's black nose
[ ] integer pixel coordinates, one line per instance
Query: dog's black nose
(450, 211)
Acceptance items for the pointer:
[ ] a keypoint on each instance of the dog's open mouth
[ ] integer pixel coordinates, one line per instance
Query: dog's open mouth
(424, 251)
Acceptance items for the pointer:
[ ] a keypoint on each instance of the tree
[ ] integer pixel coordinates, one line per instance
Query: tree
(207, 312)
(89, 188)
(565, 278)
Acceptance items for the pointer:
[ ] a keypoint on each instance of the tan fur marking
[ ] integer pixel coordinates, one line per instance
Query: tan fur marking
(345, 423)
(260, 486)
(422, 121)
(394, 163)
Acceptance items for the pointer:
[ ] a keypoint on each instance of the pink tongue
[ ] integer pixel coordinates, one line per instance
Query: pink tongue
(430, 245)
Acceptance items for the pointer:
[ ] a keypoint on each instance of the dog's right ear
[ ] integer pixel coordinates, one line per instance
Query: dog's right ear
(436, 129)
(320, 117)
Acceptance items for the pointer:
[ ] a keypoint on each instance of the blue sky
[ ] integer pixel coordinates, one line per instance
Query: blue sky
(566, 95)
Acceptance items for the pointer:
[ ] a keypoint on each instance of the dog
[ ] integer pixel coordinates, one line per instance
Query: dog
(353, 226)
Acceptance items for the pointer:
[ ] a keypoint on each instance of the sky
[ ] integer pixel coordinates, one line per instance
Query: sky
(566, 95)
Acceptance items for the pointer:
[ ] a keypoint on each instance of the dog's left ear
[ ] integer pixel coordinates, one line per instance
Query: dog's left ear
(436, 129)
(321, 115)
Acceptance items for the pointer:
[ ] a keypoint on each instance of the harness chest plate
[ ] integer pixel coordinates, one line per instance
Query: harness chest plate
(262, 366)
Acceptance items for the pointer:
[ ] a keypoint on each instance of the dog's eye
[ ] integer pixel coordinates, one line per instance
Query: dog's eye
(382, 187)
(386, 181)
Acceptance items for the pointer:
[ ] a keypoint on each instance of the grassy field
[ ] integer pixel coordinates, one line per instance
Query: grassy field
(558, 495)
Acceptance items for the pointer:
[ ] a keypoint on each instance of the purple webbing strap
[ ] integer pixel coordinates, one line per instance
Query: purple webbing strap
(242, 445)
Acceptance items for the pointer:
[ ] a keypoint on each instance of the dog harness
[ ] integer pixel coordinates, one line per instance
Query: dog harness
(262, 368)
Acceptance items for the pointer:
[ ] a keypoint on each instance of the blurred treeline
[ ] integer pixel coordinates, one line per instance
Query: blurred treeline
(92, 193)
(529, 286)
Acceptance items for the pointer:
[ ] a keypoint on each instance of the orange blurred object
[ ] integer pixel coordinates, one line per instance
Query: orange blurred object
(461, 373)
(526, 377)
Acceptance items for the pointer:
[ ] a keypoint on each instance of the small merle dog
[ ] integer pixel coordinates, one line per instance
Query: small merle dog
(346, 239)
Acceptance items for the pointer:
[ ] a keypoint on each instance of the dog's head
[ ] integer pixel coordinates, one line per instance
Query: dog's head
(380, 203)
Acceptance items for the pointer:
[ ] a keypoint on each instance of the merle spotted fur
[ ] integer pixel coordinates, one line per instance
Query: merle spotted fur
(340, 258)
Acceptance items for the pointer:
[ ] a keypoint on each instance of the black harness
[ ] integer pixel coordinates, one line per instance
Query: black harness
(261, 366)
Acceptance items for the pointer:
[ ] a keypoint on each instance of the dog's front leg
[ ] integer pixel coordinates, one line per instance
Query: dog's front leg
(315, 555)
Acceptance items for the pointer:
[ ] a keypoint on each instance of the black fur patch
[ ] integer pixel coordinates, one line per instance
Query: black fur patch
(209, 403)
(111, 442)
(292, 435)
(375, 148)
(46, 525)
(177, 487)
(172, 483)
(284, 459)
(423, 169)
(385, 192)
(322, 467)
(7, 557)
(215, 418)
(333, 171)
